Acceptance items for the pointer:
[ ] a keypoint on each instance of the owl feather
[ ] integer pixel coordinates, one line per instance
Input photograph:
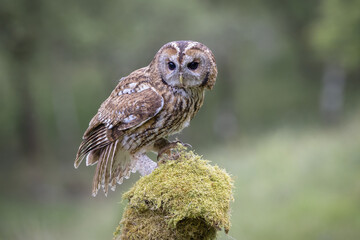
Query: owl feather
(145, 107)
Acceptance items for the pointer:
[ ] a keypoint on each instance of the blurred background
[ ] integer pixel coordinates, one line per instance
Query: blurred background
(283, 118)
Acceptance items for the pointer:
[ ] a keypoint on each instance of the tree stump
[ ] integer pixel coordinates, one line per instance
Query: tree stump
(185, 198)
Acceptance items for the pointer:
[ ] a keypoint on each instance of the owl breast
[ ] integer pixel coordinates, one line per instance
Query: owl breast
(179, 108)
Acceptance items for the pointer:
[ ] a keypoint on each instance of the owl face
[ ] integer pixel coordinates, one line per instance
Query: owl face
(187, 64)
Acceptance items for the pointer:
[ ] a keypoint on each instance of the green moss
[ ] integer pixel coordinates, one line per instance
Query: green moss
(186, 198)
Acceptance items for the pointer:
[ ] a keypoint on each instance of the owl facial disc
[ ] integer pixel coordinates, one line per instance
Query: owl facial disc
(186, 64)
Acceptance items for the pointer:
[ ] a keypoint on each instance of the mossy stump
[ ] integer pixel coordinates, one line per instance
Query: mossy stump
(186, 198)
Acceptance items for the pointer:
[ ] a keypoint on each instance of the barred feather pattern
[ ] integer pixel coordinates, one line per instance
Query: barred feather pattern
(147, 106)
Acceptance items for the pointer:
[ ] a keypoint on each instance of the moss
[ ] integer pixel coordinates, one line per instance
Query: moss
(182, 199)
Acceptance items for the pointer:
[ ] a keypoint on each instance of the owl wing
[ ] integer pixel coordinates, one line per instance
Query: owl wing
(133, 102)
(130, 105)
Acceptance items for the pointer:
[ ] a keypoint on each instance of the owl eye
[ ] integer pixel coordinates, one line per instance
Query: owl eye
(193, 65)
(171, 65)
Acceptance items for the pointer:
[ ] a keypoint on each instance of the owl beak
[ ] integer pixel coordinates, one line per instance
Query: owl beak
(181, 80)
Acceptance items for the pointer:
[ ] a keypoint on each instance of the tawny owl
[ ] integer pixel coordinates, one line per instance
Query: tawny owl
(145, 107)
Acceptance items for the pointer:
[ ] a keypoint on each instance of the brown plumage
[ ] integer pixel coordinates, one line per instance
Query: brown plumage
(145, 107)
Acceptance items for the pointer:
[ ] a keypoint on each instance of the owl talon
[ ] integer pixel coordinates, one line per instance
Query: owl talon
(167, 151)
(187, 145)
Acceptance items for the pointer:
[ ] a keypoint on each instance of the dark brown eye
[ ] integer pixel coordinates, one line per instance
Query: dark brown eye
(171, 65)
(193, 65)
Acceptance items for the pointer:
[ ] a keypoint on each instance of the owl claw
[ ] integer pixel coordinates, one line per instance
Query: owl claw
(187, 145)
(166, 152)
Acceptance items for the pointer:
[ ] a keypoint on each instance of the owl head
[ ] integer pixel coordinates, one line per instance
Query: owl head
(186, 64)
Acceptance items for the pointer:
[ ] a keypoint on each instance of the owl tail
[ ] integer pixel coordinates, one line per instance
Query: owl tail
(113, 165)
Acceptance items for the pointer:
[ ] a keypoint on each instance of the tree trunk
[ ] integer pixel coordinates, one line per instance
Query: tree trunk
(332, 94)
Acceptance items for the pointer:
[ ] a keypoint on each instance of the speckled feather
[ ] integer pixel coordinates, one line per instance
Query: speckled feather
(145, 107)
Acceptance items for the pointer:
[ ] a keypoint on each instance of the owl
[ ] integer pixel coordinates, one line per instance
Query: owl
(145, 108)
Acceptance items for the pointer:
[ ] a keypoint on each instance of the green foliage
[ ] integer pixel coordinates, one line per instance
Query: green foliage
(296, 183)
(79, 49)
(336, 34)
(186, 198)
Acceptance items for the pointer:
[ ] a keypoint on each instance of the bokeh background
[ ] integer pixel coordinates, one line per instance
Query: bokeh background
(283, 118)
